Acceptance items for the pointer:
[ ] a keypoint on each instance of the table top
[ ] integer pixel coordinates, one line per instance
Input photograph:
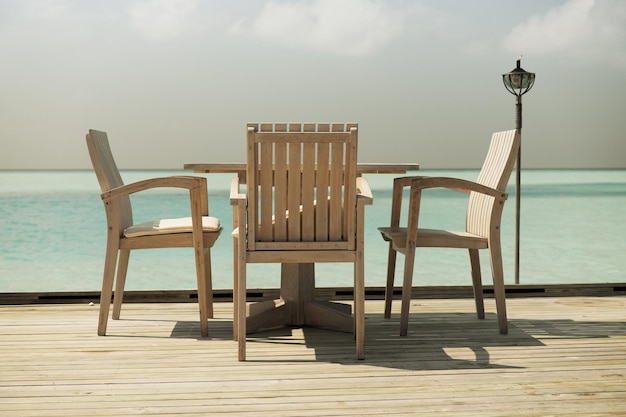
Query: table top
(240, 168)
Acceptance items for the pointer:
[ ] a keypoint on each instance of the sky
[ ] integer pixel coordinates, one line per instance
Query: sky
(175, 81)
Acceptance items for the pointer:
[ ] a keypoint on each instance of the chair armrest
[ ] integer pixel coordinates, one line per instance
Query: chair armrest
(235, 196)
(364, 192)
(402, 182)
(238, 202)
(197, 187)
(399, 184)
(456, 184)
(186, 182)
(418, 183)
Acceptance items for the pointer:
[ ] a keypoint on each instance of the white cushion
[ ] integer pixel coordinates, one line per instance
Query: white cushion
(180, 225)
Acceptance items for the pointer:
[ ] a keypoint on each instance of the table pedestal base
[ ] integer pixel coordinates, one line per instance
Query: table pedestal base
(297, 306)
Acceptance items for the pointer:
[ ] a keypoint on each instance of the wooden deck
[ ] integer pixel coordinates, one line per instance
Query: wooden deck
(564, 356)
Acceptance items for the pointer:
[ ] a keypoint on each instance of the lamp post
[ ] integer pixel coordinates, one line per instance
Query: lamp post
(518, 82)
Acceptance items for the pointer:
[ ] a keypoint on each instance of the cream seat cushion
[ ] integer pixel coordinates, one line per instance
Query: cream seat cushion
(165, 226)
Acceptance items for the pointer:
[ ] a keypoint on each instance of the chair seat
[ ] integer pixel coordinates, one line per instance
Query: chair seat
(434, 238)
(168, 226)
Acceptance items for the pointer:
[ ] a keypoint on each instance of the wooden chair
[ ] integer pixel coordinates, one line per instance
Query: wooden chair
(484, 211)
(304, 204)
(198, 231)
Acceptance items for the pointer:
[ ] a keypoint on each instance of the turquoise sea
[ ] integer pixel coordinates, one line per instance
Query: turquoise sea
(52, 233)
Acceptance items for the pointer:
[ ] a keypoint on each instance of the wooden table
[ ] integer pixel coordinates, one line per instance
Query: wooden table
(297, 305)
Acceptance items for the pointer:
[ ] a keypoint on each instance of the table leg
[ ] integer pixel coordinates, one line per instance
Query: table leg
(297, 305)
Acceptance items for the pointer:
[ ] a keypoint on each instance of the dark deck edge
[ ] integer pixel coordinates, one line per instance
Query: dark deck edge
(342, 293)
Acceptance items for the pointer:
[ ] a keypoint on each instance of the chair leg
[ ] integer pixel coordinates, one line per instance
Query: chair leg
(409, 261)
(409, 257)
(241, 302)
(477, 283)
(359, 306)
(202, 292)
(498, 285)
(391, 272)
(107, 285)
(120, 282)
(235, 290)
(208, 279)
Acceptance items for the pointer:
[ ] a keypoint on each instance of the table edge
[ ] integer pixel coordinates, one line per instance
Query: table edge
(362, 167)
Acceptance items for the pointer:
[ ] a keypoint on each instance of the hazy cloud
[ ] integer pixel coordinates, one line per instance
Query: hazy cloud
(47, 9)
(582, 30)
(354, 27)
(162, 19)
(432, 68)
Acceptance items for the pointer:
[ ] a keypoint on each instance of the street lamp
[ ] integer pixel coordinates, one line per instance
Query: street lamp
(518, 82)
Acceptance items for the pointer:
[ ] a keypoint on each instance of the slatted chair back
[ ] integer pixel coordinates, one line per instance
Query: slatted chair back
(109, 177)
(495, 173)
(301, 186)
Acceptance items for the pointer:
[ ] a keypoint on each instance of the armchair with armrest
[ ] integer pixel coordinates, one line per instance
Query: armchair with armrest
(303, 204)
(199, 231)
(484, 212)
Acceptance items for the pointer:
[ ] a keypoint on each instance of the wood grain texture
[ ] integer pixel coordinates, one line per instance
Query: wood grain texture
(562, 357)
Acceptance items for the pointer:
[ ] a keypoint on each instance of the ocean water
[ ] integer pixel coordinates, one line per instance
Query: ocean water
(53, 231)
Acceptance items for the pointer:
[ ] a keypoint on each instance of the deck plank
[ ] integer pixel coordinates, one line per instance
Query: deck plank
(562, 356)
